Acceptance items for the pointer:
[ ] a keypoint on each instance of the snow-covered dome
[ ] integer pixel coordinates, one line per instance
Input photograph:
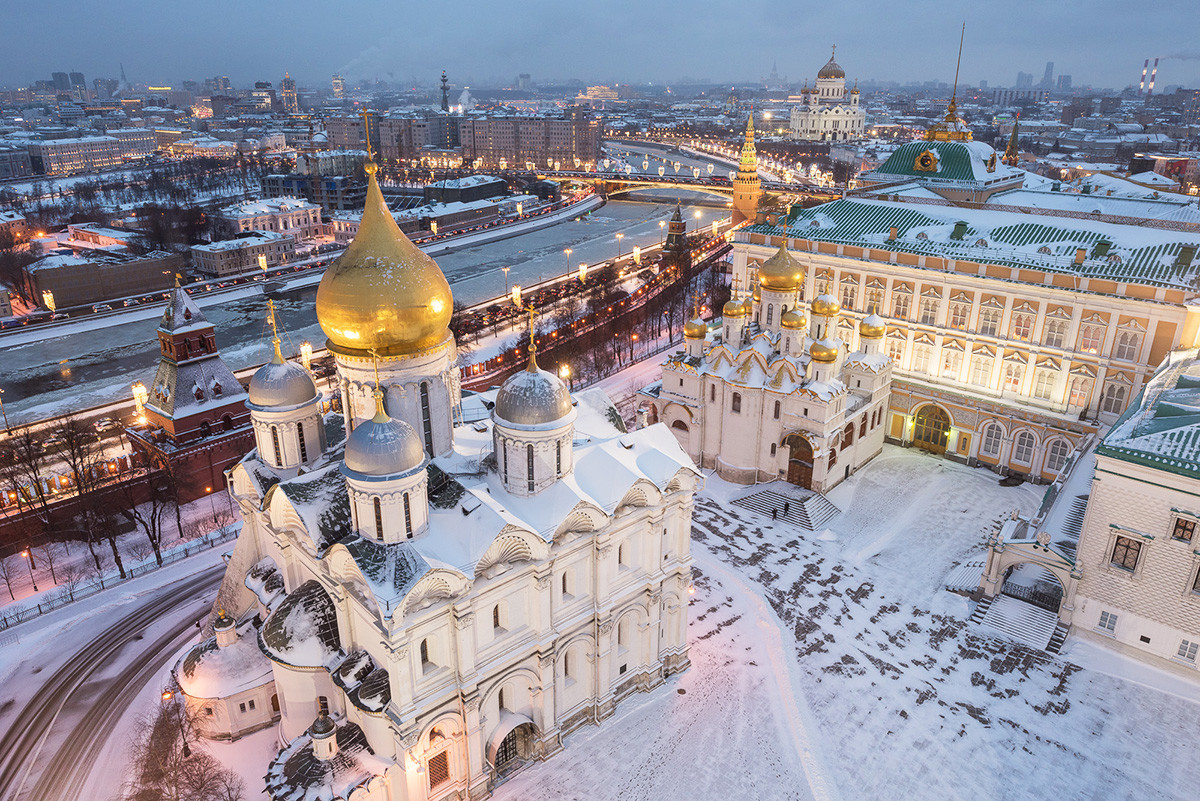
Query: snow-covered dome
(280, 383)
(781, 272)
(825, 350)
(734, 309)
(382, 446)
(794, 320)
(695, 329)
(532, 397)
(826, 305)
(872, 326)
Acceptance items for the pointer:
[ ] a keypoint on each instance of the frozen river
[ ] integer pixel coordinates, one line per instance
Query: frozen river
(85, 369)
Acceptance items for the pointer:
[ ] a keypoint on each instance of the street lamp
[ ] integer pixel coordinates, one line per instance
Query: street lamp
(567, 252)
(661, 225)
(619, 238)
(168, 697)
(506, 269)
(140, 396)
(212, 505)
(306, 351)
(28, 554)
(564, 373)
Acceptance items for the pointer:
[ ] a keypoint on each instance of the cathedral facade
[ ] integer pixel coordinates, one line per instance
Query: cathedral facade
(826, 112)
(422, 607)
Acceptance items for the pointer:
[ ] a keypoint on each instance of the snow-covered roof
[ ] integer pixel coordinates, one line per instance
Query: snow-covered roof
(209, 671)
(271, 205)
(297, 775)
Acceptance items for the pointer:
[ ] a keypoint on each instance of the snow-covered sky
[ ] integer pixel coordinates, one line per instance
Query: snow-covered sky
(1098, 42)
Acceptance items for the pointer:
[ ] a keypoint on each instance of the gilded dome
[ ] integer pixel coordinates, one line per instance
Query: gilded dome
(872, 327)
(794, 320)
(532, 397)
(383, 294)
(831, 70)
(695, 329)
(757, 293)
(781, 272)
(382, 446)
(280, 383)
(733, 308)
(826, 305)
(825, 350)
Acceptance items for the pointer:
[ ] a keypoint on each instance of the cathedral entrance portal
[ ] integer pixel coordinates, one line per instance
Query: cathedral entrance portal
(800, 462)
(514, 750)
(932, 429)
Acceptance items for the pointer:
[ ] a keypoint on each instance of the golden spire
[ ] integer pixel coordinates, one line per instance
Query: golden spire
(954, 92)
(278, 358)
(532, 367)
(369, 168)
(178, 280)
(951, 128)
(1012, 155)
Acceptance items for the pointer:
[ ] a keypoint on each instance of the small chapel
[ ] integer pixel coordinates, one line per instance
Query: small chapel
(418, 605)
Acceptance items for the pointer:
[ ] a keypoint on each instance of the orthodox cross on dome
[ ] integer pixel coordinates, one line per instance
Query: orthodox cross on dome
(833, 53)
(367, 138)
(532, 366)
(380, 412)
(274, 331)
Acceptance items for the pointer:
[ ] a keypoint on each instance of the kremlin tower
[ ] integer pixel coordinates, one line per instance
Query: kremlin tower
(747, 188)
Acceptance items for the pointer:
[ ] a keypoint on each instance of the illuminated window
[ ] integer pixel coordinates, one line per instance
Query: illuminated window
(959, 314)
(275, 442)
(900, 306)
(1081, 388)
(1022, 327)
(981, 370)
(1091, 339)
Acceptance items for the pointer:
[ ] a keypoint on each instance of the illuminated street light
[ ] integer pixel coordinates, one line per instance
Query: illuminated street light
(619, 238)
(140, 396)
(29, 562)
(167, 697)
(582, 273)
(567, 252)
(306, 351)
(661, 225)
(506, 269)
(516, 294)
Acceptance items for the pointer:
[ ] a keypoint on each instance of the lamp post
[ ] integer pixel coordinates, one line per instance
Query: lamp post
(564, 373)
(306, 352)
(620, 236)
(7, 430)
(661, 225)
(212, 505)
(506, 269)
(168, 697)
(28, 554)
(567, 252)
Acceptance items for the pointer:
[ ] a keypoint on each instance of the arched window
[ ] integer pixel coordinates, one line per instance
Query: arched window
(1114, 399)
(227, 422)
(529, 465)
(567, 665)
(497, 619)
(992, 437)
(1056, 455)
(777, 408)
(205, 429)
(407, 517)
(300, 437)
(712, 393)
(426, 662)
(1023, 448)
(558, 458)
(770, 311)
(275, 442)
(566, 583)
(504, 450)
(501, 701)
(378, 519)
(621, 556)
(737, 403)
(426, 423)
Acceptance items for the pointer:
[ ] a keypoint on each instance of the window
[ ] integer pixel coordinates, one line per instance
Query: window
(1012, 376)
(1023, 448)
(959, 314)
(565, 584)
(776, 410)
(920, 362)
(1056, 331)
(895, 349)
(300, 437)
(737, 403)
(770, 312)
(1022, 327)
(848, 295)
(497, 620)
(250, 704)
(993, 435)
(622, 555)
(712, 393)
(426, 662)
(1125, 553)
(426, 423)
(1056, 455)
(439, 769)
(874, 300)
(407, 517)
(1127, 346)
(1184, 529)
(1043, 384)
(989, 322)
(951, 363)
(900, 306)
(529, 466)
(981, 370)
(1091, 338)
(929, 308)
(1108, 622)
(275, 442)
(500, 702)
(1187, 650)
(567, 665)
(1114, 399)
(504, 450)
(772, 449)
(378, 519)
(242, 708)
(1080, 389)
(558, 458)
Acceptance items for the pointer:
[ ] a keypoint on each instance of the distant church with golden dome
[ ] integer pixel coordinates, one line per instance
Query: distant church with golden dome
(778, 388)
(420, 606)
(826, 112)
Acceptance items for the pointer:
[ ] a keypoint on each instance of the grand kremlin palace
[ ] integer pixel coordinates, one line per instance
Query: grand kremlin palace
(1021, 317)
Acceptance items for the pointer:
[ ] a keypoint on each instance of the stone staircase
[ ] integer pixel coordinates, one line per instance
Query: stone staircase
(1036, 627)
(806, 509)
(965, 577)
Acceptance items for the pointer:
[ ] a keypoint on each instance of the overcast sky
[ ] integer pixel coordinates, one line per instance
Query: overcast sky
(1098, 42)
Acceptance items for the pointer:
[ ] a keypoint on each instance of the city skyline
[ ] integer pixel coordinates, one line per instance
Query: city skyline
(622, 44)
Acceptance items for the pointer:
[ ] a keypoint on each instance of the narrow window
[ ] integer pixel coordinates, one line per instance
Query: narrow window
(567, 665)
(565, 591)
(712, 393)
(776, 410)
(378, 519)
(500, 702)
(300, 437)
(275, 442)
(504, 449)
(737, 402)
(496, 616)
(250, 704)
(529, 465)
(426, 424)
(425, 653)
(772, 449)
(407, 517)
(558, 458)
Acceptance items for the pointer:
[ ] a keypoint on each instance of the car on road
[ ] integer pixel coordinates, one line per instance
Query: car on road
(129, 302)
(101, 307)
(60, 316)
(53, 441)
(106, 424)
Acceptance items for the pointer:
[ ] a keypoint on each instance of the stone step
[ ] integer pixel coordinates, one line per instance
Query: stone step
(1021, 621)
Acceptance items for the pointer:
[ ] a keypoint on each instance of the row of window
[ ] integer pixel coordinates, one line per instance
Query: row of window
(1187, 650)
(529, 472)
(1024, 444)
(279, 450)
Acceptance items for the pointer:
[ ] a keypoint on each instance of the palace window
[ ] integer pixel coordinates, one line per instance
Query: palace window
(1022, 327)
(993, 435)
(1091, 338)
(874, 300)
(989, 322)
(951, 363)
(426, 663)
(1187, 650)
(900, 306)
(1184, 529)
(1023, 448)
(777, 408)
(712, 393)
(1125, 553)
(378, 519)
(1080, 389)
(959, 314)
(1013, 373)
(1127, 346)
(1043, 384)
(439, 769)
(895, 349)
(848, 293)
(736, 406)
(929, 309)
(529, 466)
(1114, 399)
(920, 361)
(275, 442)
(1056, 333)
(770, 311)
(1056, 455)
(981, 370)
(1108, 622)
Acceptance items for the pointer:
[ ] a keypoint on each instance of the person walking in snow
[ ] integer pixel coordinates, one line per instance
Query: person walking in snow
(774, 514)
(785, 508)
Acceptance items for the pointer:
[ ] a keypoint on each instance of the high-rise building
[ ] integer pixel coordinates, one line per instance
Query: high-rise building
(79, 86)
(287, 91)
(61, 81)
(1024, 80)
(1048, 76)
(524, 84)
(542, 140)
(105, 87)
(1064, 83)
(339, 87)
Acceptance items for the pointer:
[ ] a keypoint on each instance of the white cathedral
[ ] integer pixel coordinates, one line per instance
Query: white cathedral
(773, 394)
(419, 606)
(825, 113)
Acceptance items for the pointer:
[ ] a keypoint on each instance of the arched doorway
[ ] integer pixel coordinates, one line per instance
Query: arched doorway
(932, 429)
(800, 462)
(1033, 584)
(514, 750)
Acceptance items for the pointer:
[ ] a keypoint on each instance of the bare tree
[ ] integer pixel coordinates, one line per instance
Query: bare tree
(148, 515)
(73, 577)
(8, 572)
(51, 554)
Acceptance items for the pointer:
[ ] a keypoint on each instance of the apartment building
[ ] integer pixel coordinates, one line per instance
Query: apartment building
(254, 250)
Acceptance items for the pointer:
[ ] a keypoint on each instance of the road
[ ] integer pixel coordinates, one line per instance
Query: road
(49, 750)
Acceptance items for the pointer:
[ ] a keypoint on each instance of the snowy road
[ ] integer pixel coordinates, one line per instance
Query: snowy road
(49, 748)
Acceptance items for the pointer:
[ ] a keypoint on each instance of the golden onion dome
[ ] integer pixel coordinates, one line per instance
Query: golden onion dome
(824, 350)
(757, 293)
(872, 327)
(695, 329)
(733, 308)
(781, 272)
(794, 320)
(383, 294)
(826, 305)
